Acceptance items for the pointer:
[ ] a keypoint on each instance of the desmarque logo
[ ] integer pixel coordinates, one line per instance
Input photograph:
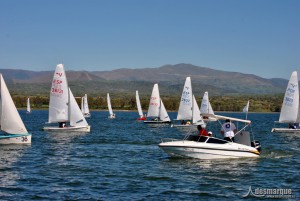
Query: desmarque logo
(270, 193)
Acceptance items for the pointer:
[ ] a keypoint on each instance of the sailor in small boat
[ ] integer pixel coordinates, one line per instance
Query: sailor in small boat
(228, 130)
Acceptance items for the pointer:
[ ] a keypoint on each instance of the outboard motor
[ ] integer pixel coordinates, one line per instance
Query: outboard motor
(256, 145)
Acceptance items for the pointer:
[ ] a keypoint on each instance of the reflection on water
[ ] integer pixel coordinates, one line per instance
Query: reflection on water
(9, 155)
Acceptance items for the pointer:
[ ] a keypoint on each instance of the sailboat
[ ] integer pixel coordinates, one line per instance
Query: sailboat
(206, 109)
(111, 114)
(85, 106)
(207, 147)
(28, 109)
(157, 111)
(139, 107)
(188, 112)
(289, 113)
(10, 120)
(63, 107)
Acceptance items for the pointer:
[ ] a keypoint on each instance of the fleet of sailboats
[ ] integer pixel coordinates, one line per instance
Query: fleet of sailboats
(289, 114)
(11, 123)
(68, 117)
(112, 115)
(157, 111)
(63, 108)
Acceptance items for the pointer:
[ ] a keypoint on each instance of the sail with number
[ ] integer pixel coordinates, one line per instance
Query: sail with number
(290, 106)
(185, 106)
(59, 97)
(154, 105)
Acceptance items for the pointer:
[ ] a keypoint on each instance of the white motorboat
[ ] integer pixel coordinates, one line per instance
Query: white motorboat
(203, 147)
(63, 107)
(10, 120)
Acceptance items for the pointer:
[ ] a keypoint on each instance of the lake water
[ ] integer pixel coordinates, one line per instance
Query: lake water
(120, 160)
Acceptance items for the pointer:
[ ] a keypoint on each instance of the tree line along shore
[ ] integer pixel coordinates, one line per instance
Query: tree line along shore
(258, 103)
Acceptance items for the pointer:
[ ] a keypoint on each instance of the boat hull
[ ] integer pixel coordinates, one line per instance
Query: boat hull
(68, 129)
(202, 150)
(285, 130)
(157, 122)
(15, 139)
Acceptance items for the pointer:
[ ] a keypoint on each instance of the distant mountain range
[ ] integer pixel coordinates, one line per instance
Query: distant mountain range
(125, 81)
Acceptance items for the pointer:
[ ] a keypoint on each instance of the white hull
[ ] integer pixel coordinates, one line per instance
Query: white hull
(285, 130)
(157, 122)
(191, 126)
(68, 129)
(87, 115)
(26, 139)
(202, 150)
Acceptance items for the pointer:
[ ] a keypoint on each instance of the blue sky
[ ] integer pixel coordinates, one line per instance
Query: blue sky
(260, 37)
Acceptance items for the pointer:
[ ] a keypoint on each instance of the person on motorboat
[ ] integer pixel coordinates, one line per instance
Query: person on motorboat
(228, 130)
(202, 131)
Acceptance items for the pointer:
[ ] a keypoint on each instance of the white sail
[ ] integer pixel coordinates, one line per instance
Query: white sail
(59, 97)
(185, 106)
(138, 104)
(11, 121)
(290, 105)
(109, 105)
(81, 106)
(206, 108)
(197, 119)
(28, 105)
(154, 105)
(86, 105)
(76, 116)
(163, 114)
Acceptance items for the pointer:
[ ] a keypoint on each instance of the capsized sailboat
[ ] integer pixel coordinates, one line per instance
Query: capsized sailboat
(157, 111)
(28, 109)
(111, 114)
(10, 120)
(205, 147)
(63, 107)
(85, 106)
(139, 107)
(289, 113)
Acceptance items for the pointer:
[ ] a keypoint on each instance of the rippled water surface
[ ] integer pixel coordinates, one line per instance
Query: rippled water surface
(120, 160)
